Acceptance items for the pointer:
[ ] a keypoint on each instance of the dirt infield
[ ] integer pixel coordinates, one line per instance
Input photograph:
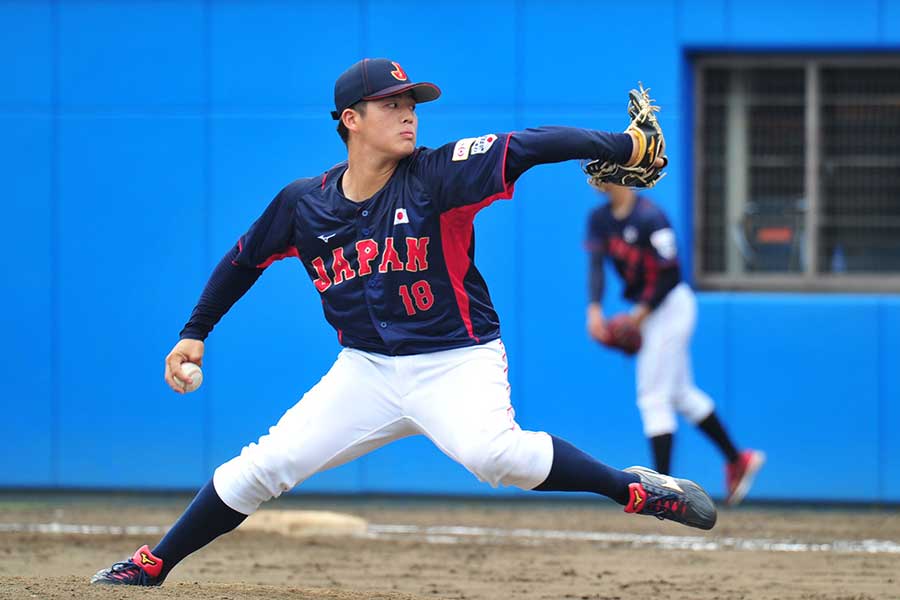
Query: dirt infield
(460, 550)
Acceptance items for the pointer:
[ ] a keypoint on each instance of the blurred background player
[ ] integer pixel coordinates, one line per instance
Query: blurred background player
(636, 235)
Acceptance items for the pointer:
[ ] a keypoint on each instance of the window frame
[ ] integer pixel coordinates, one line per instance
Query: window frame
(809, 280)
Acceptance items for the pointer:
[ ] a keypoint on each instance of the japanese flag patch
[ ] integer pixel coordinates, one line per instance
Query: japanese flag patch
(400, 216)
(483, 144)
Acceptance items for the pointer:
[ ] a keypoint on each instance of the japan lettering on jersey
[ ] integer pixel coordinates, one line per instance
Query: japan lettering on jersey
(642, 248)
(396, 272)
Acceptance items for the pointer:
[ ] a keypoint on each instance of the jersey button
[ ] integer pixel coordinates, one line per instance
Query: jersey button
(366, 231)
(365, 213)
(383, 324)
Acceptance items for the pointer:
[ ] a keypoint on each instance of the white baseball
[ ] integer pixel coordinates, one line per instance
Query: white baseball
(193, 373)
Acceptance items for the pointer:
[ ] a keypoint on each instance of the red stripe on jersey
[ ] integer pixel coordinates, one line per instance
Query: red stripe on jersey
(292, 251)
(240, 245)
(456, 239)
(324, 177)
(503, 167)
(651, 275)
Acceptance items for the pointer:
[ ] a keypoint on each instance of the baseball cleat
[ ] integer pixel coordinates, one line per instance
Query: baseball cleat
(739, 474)
(669, 498)
(141, 569)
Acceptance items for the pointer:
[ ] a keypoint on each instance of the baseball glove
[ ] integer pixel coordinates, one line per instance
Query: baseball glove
(651, 145)
(624, 335)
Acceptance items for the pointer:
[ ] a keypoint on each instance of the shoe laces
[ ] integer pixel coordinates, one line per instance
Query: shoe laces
(124, 565)
(128, 569)
(661, 505)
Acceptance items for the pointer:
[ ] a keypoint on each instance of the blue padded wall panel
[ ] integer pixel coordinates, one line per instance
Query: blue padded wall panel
(26, 54)
(27, 315)
(456, 60)
(694, 456)
(131, 56)
(569, 71)
(795, 386)
(268, 54)
(774, 22)
(131, 200)
(890, 22)
(709, 349)
(145, 207)
(702, 22)
(889, 398)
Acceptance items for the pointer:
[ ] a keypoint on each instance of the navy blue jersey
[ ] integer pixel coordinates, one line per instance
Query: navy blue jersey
(396, 272)
(642, 248)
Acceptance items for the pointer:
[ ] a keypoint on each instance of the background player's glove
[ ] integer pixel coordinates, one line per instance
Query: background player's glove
(651, 145)
(624, 334)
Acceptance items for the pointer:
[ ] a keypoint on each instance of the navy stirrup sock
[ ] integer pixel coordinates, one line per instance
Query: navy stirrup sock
(575, 471)
(661, 445)
(205, 519)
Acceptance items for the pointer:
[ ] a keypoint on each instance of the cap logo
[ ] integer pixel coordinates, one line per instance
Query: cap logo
(399, 74)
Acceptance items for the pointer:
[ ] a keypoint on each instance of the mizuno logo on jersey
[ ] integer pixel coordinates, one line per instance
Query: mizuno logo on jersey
(367, 260)
(325, 238)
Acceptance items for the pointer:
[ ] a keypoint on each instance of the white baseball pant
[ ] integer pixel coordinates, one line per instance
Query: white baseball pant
(665, 380)
(458, 398)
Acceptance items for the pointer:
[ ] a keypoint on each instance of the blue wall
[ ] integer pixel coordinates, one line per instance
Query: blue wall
(142, 138)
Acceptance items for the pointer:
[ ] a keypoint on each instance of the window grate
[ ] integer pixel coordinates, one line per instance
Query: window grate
(773, 210)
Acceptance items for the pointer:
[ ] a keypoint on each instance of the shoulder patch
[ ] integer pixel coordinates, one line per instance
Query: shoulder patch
(664, 242)
(483, 144)
(461, 150)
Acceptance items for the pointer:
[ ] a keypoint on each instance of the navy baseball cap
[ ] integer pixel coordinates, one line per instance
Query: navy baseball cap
(374, 78)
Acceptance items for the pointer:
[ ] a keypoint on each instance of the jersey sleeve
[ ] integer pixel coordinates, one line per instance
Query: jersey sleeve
(271, 237)
(467, 172)
(554, 143)
(596, 247)
(661, 269)
(595, 241)
(660, 237)
(225, 286)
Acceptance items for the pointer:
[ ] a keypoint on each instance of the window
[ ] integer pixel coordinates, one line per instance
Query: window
(797, 172)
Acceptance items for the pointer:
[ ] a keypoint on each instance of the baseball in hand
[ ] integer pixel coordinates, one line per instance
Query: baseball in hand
(192, 372)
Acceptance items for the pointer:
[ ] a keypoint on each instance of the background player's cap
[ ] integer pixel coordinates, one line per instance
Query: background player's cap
(374, 78)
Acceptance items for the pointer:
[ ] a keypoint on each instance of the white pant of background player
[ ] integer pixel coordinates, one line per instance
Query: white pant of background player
(458, 398)
(665, 379)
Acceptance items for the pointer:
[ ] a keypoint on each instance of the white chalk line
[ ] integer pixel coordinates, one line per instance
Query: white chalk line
(487, 535)
(452, 534)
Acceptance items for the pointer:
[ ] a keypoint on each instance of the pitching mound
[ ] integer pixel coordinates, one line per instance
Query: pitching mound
(305, 523)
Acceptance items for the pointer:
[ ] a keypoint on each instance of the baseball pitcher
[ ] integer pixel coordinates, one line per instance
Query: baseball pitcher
(387, 239)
